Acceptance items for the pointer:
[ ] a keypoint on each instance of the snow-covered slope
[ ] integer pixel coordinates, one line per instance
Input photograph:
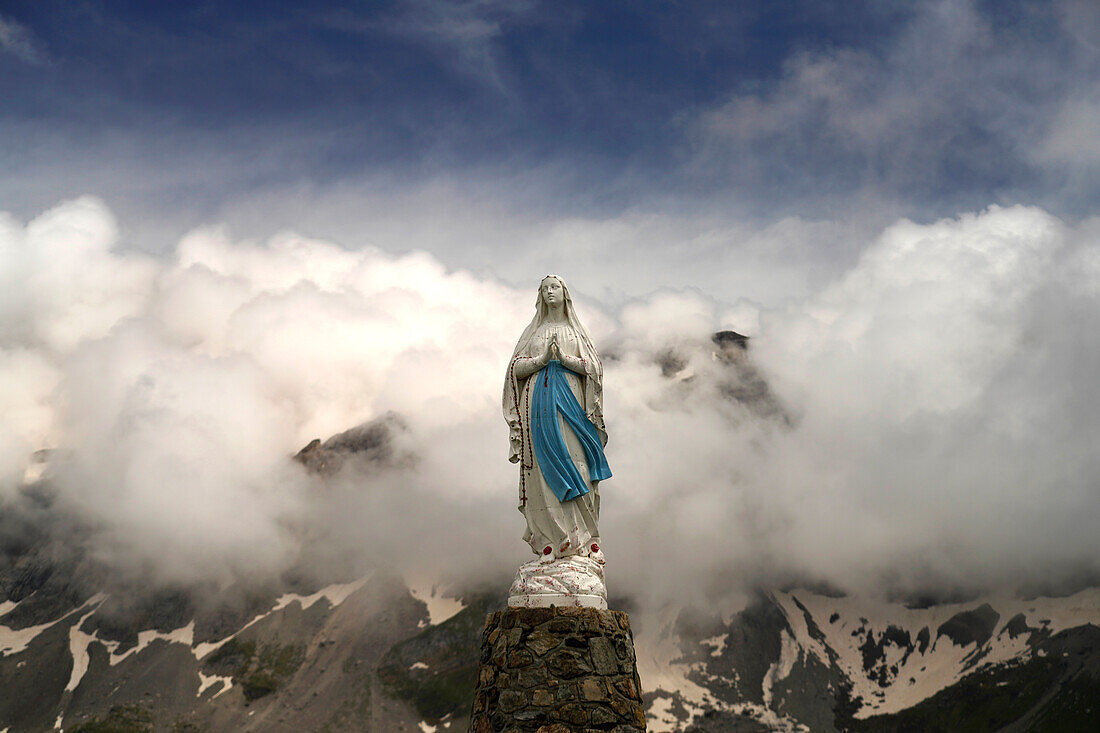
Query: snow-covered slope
(793, 660)
(801, 660)
(895, 657)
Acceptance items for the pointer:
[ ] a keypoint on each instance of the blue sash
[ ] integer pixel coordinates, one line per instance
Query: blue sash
(551, 395)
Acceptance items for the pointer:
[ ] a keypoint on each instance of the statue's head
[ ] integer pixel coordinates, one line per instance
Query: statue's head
(552, 291)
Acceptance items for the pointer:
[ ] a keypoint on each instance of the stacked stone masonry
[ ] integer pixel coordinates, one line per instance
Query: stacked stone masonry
(557, 670)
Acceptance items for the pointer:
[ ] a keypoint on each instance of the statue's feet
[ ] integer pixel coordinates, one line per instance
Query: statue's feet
(570, 581)
(596, 553)
(547, 556)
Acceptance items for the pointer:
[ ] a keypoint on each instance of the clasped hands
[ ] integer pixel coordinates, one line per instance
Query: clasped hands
(552, 351)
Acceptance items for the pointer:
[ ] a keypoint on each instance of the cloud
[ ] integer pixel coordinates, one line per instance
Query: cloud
(1073, 137)
(931, 425)
(929, 417)
(923, 111)
(17, 39)
(463, 34)
(959, 107)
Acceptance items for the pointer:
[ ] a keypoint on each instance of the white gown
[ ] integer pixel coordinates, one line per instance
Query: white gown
(567, 527)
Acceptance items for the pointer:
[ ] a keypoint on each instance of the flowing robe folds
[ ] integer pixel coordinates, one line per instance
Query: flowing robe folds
(569, 526)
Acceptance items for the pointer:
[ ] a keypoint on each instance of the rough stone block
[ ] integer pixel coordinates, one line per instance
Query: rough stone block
(625, 708)
(603, 656)
(534, 676)
(626, 688)
(573, 713)
(567, 691)
(563, 625)
(624, 650)
(566, 663)
(557, 670)
(553, 728)
(530, 715)
(519, 658)
(511, 700)
(541, 642)
(542, 697)
(603, 716)
(592, 689)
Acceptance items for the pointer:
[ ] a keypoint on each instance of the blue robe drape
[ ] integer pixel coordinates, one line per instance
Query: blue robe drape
(550, 397)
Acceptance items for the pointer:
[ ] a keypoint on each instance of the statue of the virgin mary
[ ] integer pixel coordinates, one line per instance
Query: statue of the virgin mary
(553, 402)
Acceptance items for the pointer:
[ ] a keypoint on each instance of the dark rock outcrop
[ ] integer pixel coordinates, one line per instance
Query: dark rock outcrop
(969, 627)
(371, 442)
(559, 670)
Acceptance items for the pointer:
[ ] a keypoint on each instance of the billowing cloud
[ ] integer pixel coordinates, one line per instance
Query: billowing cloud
(17, 39)
(962, 104)
(926, 418)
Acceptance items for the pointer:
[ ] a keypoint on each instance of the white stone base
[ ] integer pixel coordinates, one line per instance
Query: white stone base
(561, 600)
(573, 581)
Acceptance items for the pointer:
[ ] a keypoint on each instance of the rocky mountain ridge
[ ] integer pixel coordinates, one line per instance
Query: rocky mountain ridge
(368, 655)
(84, 648)
(800, 660)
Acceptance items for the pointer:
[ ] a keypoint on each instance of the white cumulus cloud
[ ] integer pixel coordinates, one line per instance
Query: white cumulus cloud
(930, 419)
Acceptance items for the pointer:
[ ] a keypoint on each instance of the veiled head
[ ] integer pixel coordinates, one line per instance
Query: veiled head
(552, 292)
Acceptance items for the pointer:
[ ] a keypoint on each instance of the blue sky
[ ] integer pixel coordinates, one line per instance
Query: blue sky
(211, 200)
(179, 114)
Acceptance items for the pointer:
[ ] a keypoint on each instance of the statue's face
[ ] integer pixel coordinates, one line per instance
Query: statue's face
(552, 293)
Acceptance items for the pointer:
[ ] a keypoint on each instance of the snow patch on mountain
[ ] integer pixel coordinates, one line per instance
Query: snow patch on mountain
(661, 718)
(182, 635)
(14, 641)
(209, 680)
(897, 656)
(427, 727)
(335, 594)
(718, 643)
(789, 653)
(769, 717)
(78, 646)
(796, 618)
(1058, 614)
(660, 665)
(430, 592)
(202, 650)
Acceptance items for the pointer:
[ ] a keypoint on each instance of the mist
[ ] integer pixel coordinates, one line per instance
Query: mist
(928, 421)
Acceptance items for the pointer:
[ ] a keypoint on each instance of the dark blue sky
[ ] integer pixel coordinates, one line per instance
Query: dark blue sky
(420, 84)
(770, 108)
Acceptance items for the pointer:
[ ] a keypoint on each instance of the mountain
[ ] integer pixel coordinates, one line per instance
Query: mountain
(378, 653)
(339, 646)
(801, 660)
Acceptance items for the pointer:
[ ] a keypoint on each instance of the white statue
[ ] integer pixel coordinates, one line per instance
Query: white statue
(554, 407)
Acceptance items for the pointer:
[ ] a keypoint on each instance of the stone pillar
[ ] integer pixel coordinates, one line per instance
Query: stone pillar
(557, 670)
